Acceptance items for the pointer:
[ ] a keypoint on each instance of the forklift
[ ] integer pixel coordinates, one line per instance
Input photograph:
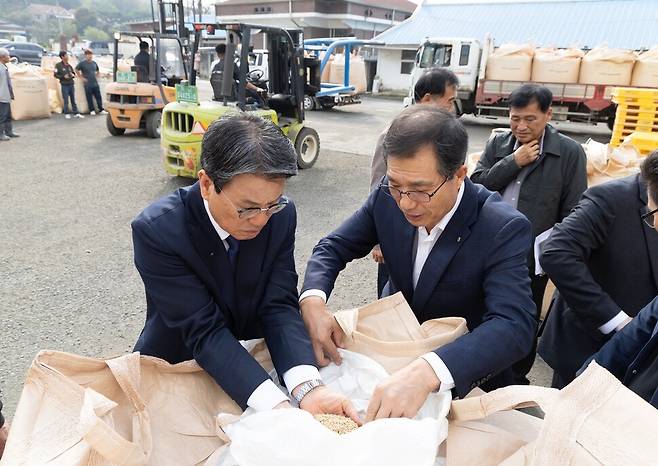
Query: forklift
(290, 77)
(136, 97)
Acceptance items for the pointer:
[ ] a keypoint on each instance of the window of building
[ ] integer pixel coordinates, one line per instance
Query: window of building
(463, 54)
(407, 61)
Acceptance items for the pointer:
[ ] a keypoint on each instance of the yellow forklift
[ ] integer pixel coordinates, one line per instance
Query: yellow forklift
(136, 97)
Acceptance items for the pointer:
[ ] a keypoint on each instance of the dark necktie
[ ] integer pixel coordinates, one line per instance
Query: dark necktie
(233, 247)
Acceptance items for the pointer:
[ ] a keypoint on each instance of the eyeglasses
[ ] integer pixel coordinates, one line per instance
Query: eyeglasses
(251, 212)
(649, 218)
(416, 196)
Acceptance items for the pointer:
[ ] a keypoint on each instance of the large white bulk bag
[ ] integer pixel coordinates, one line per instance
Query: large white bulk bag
(645, 71)
(603, 65)
(556, 65)
(30, 92)
(510, 62)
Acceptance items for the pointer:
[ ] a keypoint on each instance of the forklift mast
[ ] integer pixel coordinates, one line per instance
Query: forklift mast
(174, 10)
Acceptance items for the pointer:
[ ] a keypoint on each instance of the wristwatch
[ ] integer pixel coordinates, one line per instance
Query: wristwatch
(305, 388)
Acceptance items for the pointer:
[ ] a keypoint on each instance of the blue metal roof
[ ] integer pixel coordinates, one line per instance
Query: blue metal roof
(629, 24)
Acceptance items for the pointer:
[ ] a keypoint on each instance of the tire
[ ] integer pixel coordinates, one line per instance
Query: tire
(611, 118)
(309, 103)
(328, 104)
(113, 130)
(153, 124)
(307, 146)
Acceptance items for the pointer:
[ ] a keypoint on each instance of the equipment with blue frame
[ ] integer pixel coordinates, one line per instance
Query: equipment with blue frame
(331, 94)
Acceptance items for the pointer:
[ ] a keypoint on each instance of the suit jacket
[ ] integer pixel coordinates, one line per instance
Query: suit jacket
(628, 350)
(476, 270)
(552, 187)
(603, 259)
(197, 308)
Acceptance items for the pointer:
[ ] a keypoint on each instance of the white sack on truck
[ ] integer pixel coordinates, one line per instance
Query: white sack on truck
(556, 65)
(510, 62)
(645, 71)
(603, 65)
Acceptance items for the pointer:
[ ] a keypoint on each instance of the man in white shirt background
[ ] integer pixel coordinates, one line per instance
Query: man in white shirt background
(453, 248)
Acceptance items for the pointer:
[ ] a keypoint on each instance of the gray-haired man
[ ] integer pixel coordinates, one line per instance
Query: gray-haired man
(218, 267)
(6, 96)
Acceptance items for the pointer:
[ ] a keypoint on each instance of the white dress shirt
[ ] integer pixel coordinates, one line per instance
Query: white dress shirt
(267, 395)
(425, 242)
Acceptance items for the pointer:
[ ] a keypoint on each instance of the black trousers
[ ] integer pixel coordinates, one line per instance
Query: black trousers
(382, 278)
(5, 114)
(92, 92)
(522, 368)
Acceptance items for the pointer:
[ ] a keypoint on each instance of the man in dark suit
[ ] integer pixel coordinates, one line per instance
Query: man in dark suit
(453, 249)
(217, 264)
(631, 355)
(603, 260)
(537, 170)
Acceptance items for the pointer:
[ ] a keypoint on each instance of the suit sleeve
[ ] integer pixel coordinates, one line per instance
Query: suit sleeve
(185, 304)
(283, 328)
(378, 168)
(354, 239)
(622, 349)
(508, 322)
(566, 252)
(495, 174)
(576, 173)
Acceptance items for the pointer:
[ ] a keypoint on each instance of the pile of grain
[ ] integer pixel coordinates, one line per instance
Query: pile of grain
(338, 424)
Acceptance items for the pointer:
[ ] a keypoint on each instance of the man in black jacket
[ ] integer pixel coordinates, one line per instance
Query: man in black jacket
(603, 260)
(539, 171)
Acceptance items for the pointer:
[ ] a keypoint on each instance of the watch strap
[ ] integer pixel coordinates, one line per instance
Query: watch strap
(305, 388)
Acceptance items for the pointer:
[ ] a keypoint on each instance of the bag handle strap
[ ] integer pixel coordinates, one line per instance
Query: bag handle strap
(104, 438)
(503, 399)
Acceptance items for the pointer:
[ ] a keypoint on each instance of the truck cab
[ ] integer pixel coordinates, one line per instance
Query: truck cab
(460, 55)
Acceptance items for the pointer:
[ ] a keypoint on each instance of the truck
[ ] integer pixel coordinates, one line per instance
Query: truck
(467, 58)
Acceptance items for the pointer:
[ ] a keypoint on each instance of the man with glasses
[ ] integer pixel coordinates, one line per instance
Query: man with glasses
(603, 260)
(453, 248)
(217, 263)
(540, 172)
(631, 355)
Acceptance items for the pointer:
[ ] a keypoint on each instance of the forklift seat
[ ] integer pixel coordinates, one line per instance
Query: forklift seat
(284, 104)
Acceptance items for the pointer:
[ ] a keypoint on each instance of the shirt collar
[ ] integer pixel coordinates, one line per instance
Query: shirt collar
(443, 223)
(223, 234)
(517, 144)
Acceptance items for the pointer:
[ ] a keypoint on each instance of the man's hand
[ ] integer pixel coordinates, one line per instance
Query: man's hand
(377, 255)
(4, 433)
(326, 334)
(527, 153)
(321, 400)
(404, 392)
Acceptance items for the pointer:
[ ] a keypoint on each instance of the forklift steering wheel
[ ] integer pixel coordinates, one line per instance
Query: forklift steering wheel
(255, 75)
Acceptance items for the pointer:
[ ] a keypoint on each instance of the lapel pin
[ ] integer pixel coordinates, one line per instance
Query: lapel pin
(459, 238)
(212, 253)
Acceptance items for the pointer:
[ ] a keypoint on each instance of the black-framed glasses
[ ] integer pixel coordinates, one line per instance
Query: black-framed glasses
(416, 196)
(648, 218)
(251, 212)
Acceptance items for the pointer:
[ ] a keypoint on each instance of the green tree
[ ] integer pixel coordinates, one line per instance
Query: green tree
(84, 18)
(93, 33)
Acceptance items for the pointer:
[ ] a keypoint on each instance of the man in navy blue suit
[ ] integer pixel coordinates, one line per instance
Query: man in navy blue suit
(453, 248)
(218, 267)
(632, 354)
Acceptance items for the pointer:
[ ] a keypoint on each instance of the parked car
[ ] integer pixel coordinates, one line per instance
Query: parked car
(28, 52)
(98, 47)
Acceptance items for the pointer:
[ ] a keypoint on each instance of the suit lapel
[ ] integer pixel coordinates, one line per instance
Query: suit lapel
(452, 238)
(650, 235)
(212, 252)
